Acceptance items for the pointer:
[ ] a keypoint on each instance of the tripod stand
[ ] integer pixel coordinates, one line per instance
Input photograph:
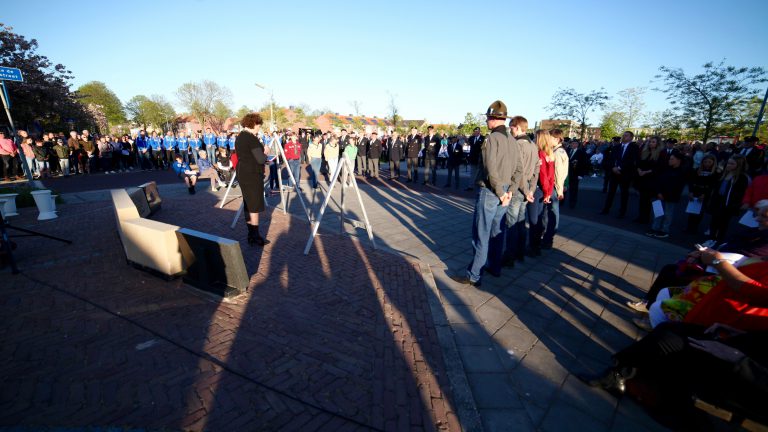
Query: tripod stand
(5, 226)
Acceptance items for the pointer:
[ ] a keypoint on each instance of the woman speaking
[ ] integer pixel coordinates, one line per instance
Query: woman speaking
(251, 157)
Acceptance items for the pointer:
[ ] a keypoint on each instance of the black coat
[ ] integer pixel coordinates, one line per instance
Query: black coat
(431, 146)
(374, 149)
(413, 146)
(671, 182)
(475, 145)
(578, 163)
(362, 147)
(625, 160)
(730, 201)
(396, 149)
(250, 170)
(455, 154)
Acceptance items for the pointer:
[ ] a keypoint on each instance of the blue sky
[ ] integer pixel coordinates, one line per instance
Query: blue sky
(440, 59)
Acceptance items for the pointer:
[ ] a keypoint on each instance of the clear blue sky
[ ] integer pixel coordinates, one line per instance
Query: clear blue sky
(441, 59)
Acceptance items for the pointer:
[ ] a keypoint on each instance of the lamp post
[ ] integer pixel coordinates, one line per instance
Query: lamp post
(271, 106)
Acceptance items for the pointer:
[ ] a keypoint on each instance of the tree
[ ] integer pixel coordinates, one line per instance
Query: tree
(576, 106)
(200, 99)
(611, 125)
(663, 123)
(394, 111)
(629, 104)
(469, 124)
(708, 100)
(45, 94)
(154, 111)
(220, 114)
(98, 94)
(356, 104)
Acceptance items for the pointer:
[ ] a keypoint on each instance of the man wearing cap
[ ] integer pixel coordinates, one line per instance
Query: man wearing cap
(499, 168)
(431, 147)
(412, 149)
(374, 154)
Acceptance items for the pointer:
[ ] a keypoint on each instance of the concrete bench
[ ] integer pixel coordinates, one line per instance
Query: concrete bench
(153, 196)
(147, 243)
(213, 263)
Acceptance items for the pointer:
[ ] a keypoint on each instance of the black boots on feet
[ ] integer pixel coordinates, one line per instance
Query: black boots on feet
(254, 238)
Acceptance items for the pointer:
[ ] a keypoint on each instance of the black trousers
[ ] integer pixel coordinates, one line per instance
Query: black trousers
(667, 278)
(573, 190)
(616, 182)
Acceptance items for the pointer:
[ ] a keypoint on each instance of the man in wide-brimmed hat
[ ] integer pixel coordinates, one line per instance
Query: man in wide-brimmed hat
(499, 169)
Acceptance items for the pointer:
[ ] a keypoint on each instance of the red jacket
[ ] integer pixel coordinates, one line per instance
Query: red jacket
(756, 191)
(745, 308)
(546, 174)
(292, 150)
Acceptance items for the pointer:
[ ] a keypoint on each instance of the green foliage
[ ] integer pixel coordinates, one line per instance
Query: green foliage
(470, 123)
(570, 104)
(44, 95)
(150, 111)
(98, 94)
(628, 106)
(203, 98)
(710, 100)
(610, 125)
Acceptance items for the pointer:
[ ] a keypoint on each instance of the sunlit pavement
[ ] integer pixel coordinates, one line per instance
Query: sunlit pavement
(508, 351)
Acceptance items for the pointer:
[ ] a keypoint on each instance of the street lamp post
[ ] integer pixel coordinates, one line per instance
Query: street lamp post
(271, 106)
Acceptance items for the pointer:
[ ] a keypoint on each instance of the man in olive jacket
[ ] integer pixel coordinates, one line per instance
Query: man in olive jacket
(499, 169)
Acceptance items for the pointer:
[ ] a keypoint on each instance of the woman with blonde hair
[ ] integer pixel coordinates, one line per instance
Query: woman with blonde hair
(537, 210)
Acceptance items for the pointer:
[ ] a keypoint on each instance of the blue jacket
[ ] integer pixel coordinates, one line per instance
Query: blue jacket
(209, 139)
(195, 143)
(155, 143)
(182, 143)
(141, 142)
(169, 142)
(180, 167)
(231, 142)
(221, 141)
(203, 164)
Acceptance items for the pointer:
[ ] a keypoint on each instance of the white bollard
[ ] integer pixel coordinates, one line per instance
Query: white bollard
(8, 204)
(46, 204)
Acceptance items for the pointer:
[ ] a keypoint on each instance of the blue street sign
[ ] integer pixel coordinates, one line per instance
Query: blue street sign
(10, 74)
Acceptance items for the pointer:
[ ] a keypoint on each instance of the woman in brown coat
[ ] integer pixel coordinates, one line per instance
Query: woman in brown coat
(251, 157)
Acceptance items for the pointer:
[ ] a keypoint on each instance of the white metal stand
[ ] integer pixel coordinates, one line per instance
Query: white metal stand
(278, 149)
(344, 166)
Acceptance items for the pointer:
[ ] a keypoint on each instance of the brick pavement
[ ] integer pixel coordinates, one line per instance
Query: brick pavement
(340, 340)
(522, 338)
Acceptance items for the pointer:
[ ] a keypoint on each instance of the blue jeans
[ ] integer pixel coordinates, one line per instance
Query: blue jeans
(211, 150)
(517, 232)
(662, 223)
(550, 220)
(295, 166)
(315, 171)
(486, 225)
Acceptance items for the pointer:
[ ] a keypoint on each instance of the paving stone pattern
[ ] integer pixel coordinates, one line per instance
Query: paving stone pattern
(342, 339)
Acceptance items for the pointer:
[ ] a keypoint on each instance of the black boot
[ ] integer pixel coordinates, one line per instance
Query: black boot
(254, 238)
(191, 190)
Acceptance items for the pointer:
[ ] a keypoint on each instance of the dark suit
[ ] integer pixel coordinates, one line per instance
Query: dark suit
(362, 156)
(578, 166)
(755, 158)
(455, 157)
(431, 148)
(412, 153)
(395, 148)
(623, 168)
(374, 154)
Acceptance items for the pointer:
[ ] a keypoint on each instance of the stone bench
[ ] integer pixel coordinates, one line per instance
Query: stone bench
(147, 243)
(207, 262)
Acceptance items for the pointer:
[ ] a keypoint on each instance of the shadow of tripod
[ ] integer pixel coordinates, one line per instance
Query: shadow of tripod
(5, 226)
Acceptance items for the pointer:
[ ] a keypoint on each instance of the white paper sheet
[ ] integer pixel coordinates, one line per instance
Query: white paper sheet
(748, 219)
(658, 208)
(694, 206)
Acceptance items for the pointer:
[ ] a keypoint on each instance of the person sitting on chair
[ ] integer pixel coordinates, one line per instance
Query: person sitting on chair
(182, 169)
(208, 171)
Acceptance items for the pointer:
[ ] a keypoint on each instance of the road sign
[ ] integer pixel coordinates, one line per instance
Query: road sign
(10, 74)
